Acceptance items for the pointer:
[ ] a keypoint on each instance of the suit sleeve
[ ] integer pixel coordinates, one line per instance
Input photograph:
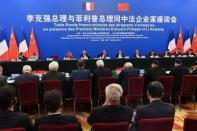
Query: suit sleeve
(91, 118)
(27, 123)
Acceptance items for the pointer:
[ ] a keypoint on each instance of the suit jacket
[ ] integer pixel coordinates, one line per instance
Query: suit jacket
(125, 74)
(152, 73)
(57, 119)
(10, 119)
(101, 55)
(3, 80)
(25, 77)
(82, 57)
(111, 113)
(118, 54)
(53, 75)
(178, 73)
(156, 109)
(135, 55)
(80, 74)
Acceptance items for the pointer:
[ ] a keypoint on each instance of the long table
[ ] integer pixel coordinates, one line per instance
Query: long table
(69, 65)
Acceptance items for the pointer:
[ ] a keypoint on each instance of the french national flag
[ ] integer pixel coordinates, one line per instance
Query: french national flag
(3, 47)
(88, 6)
(187, 43)
(23, 46)
(172, 42)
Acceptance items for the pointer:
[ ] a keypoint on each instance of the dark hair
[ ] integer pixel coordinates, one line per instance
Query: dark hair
(80, 63)
(156, 62)
(155, 89)
(178, 61)
(52, 100)
(7, 96)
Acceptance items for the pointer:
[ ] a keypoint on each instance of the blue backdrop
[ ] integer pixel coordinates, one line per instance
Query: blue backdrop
(141, 34)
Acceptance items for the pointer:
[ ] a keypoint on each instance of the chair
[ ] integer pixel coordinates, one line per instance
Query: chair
(190, 124)
(13, 129)
(135, 89)
(168, 82)
(52, 84)
(67, 127)
(28, 94)
(189, 83)
(102, 83)
(156, 124)
(82, 92)
(121, 126)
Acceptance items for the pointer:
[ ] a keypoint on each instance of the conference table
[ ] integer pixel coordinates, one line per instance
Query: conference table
(69, 65)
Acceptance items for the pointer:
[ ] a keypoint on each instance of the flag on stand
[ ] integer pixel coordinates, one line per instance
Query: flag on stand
(123, 7)
(23, 45)
(179, 44)
(13, 47)
(194, 43)
(88, 6)
(3, 47)
(172, 42)
(33, 48)
(187, 43)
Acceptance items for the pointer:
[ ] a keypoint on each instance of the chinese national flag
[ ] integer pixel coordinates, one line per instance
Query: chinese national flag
(123, 7)
(13, 48)
(33, 48)
(194, 43)
(179, 44)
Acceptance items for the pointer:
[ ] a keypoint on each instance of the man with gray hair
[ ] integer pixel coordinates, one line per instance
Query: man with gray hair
(101, 71)
(127, 72)
(111, 111)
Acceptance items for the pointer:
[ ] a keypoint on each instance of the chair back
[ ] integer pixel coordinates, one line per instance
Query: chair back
(27, 93)
(121, 126)
(102, 83)
(82, 90)
(135, 88)
(189, 84)
(156, 124)
(167, 82)
(13, 129)
(190, 124)
(67, 127)
(52, 84)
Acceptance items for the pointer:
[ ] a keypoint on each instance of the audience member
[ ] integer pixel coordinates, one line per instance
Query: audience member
(53, 104)
(8, 118)
(125, 74)
(3, 79)
(156, 108)
(111, 111)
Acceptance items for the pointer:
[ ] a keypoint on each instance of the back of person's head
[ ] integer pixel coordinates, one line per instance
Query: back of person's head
(1, 70)
(52, 100)
(155, 89)
(178, 62)
(113, 93)
(53, 66)
(128, 65)
(100, 63)
(80, 63)
(27, 69)
(155, 63)
(7, 97)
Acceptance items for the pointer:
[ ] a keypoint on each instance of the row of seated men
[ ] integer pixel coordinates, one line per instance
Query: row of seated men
(111, 111)
(81, 73)
(104, 55)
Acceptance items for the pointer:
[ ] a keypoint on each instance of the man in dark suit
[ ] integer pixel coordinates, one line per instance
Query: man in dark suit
(156, 108)
(111, 111)
(101, 71)
(3, 79)
(178, 71)
(136, 54)
(53, 105)
(127, 72)
(80, 73)
(103, 55)
(9, 118)
(84, 55)
(119, 55)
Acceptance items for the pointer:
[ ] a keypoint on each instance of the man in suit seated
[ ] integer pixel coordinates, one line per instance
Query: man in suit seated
(156, 108)
(80, 73)
(152, 54)
(178, 53)
(124, 75)
(167, 53)
(119, 55)
(9, 118)
(101, 71)
(136, 54)
(178, 71)
(111, 111)
(53, 104)
(3, 79)
(84, 55)
(21, 57)
(103, 55)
